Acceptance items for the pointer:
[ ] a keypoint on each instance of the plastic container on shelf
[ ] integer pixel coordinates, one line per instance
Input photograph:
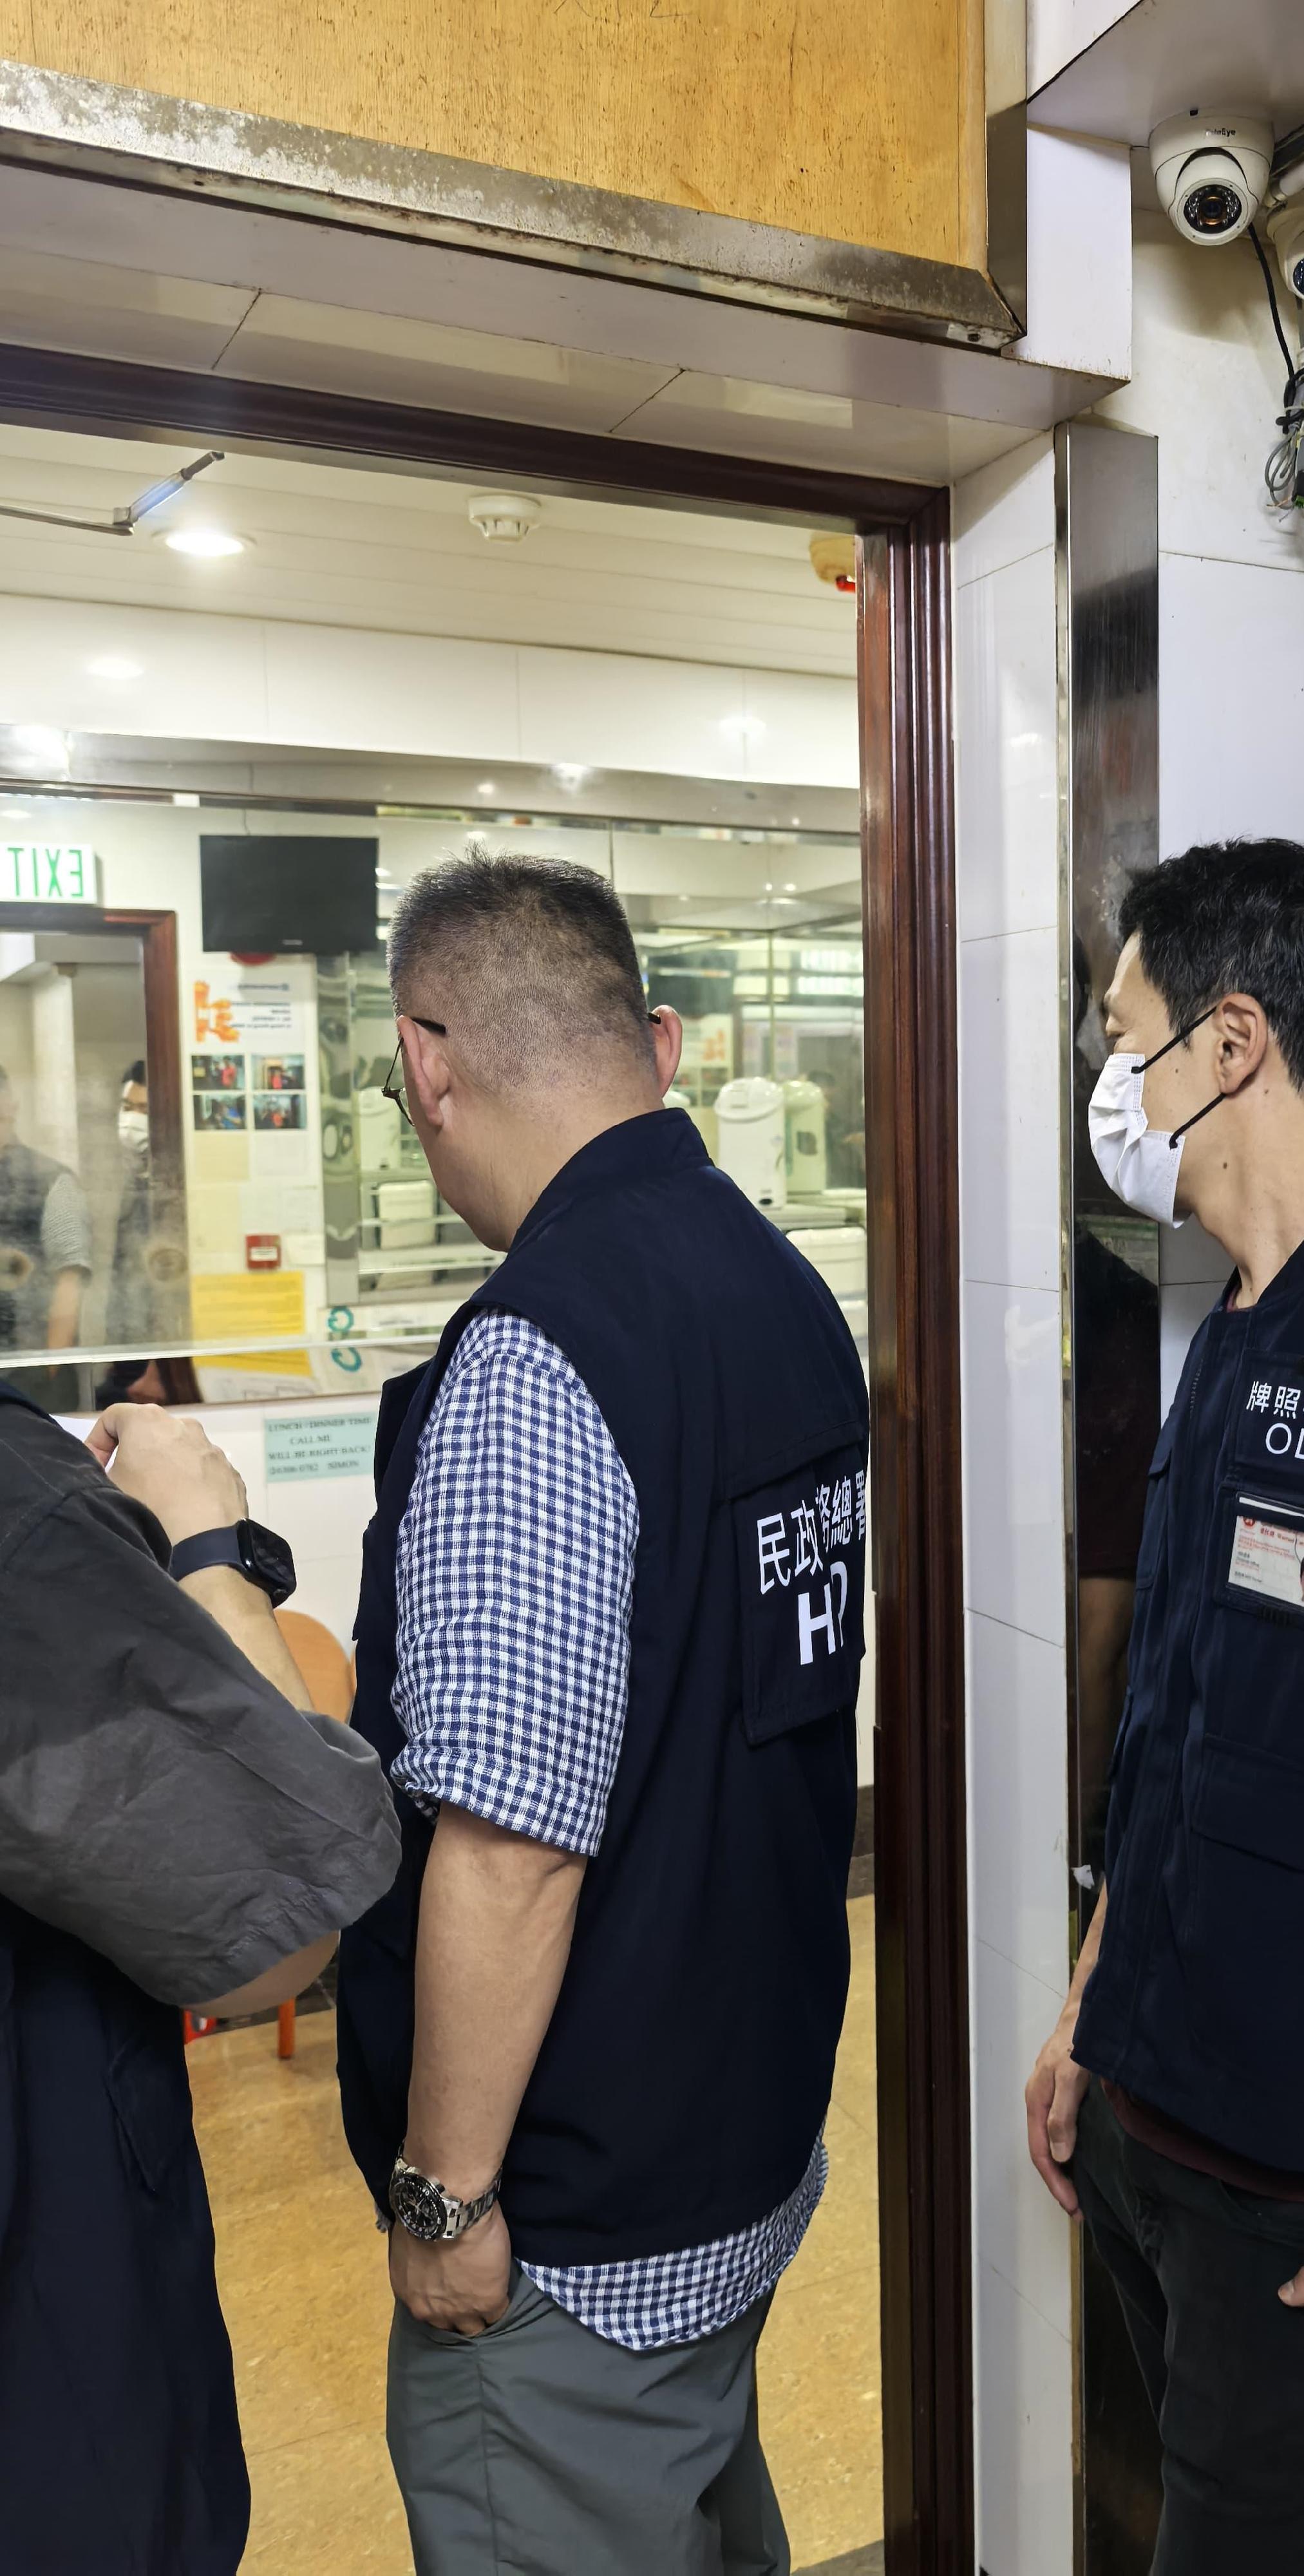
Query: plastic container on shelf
(380, 1131)
(840, 1253)
(752, 1139)
(805, 1113)
(406, 1210)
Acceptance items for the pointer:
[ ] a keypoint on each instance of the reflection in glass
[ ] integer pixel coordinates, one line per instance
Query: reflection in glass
(306, 1201)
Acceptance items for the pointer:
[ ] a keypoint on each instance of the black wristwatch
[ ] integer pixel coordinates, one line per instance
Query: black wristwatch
(255, 1552)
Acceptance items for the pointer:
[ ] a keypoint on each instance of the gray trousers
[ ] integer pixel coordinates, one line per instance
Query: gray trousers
(537, 2449)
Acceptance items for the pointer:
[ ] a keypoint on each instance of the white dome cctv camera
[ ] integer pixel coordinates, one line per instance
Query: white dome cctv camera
(1211, 170)
(1286, 233)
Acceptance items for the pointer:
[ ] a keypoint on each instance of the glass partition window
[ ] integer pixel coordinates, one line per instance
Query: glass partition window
(289, 1239)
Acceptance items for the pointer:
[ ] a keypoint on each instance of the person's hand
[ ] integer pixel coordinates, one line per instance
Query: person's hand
(1291, 2293)
(169, 1464)
(1054, 2095)
(460, 2288)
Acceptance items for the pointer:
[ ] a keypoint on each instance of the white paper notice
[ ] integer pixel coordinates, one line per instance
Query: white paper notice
(1268, 1558)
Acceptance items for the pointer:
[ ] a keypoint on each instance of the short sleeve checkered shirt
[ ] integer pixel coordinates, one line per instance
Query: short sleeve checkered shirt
(515, 1583)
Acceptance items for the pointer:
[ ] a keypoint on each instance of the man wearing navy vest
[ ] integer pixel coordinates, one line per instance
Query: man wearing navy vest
(1167, 2108)
(608, 1646)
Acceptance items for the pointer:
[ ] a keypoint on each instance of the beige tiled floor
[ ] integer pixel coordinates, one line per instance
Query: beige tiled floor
(303, 2280)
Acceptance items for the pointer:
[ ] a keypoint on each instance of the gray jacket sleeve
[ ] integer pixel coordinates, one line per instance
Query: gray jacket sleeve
(158, 1798)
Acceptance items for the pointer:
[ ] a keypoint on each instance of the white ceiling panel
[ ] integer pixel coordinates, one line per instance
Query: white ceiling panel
(833, 432)
(101, 312)
(327, 545)
(385, 358)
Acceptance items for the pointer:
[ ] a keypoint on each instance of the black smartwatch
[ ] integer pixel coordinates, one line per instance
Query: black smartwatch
(255, 1552)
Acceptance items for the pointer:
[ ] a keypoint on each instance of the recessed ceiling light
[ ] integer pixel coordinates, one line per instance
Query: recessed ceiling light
(116, 666)
(182, 796)
(207, 543)
(570, 774)
(486, 788)
(790, 889)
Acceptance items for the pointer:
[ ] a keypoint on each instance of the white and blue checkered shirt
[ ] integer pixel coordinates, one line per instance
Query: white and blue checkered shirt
(515, 1580)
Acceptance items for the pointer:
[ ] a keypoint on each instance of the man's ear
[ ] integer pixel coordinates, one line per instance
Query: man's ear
(426, 1069)
(1242, 1038)
(668, 1042)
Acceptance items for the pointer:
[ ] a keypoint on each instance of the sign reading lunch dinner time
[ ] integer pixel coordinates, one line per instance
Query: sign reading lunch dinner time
(48, 872)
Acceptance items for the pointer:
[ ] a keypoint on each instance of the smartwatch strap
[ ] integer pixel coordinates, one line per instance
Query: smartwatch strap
(211, 1547)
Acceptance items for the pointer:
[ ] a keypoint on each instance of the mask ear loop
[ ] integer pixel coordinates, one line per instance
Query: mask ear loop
(1180, 1040)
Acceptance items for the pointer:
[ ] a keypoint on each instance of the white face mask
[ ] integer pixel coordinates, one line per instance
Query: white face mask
(1140, 1162)
(133, 1132)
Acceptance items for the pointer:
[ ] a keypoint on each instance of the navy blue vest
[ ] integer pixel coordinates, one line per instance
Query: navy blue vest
(1196, 2005)
(690, 2059)
(119, 2441)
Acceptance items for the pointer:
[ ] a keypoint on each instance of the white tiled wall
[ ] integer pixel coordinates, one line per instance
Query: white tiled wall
(1014, 1496)
(1207, 383)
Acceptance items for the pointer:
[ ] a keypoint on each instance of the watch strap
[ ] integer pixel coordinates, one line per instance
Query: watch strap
(449, 2216)
(209, 1547)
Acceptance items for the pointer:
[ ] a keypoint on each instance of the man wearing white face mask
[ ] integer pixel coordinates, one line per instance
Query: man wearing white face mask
(1167, 2108)
(130, 1316)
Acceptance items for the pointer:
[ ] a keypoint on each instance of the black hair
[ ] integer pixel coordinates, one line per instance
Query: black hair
(1226, 917)
(136, 1073)
(511, 953)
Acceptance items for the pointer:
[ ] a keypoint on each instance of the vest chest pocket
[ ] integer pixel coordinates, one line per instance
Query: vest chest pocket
(801, 1577)
(1260, 1564)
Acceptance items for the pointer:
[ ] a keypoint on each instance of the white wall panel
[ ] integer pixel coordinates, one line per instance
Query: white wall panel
(194, 675)
(1025, 2483)
(1018, 1792)
(1021, 2232)
(1009, 1006)
(1079, 254)
(1008, 905)
(1004, 513)
(1231, 648)
(218, 679)
(335, 686)
(1014, 1501)
(1060, 29)
(1005, 748)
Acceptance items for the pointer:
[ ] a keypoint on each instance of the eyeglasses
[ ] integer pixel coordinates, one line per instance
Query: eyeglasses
(391, 1090)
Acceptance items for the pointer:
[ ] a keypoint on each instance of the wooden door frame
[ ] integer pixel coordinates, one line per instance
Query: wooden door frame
(157, 934)
(911, 1136)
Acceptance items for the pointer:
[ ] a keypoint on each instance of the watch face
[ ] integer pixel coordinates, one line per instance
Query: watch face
(419, 2204)
(267, 1558)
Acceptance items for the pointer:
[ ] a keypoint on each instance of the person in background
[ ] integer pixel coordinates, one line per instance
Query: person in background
(45, 1242)
(609, 1637)
(130, 1313)
(175, 1829)
(1167, 2107)
(172, 1381)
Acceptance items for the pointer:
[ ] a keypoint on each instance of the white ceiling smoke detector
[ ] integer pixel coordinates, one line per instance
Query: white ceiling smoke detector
(504, 517)
(833, 559)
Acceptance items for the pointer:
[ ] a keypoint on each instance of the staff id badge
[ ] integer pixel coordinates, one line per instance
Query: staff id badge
(1267, 1555)
(801, 1570)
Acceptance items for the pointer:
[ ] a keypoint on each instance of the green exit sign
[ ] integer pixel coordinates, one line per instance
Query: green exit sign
(48, 872)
